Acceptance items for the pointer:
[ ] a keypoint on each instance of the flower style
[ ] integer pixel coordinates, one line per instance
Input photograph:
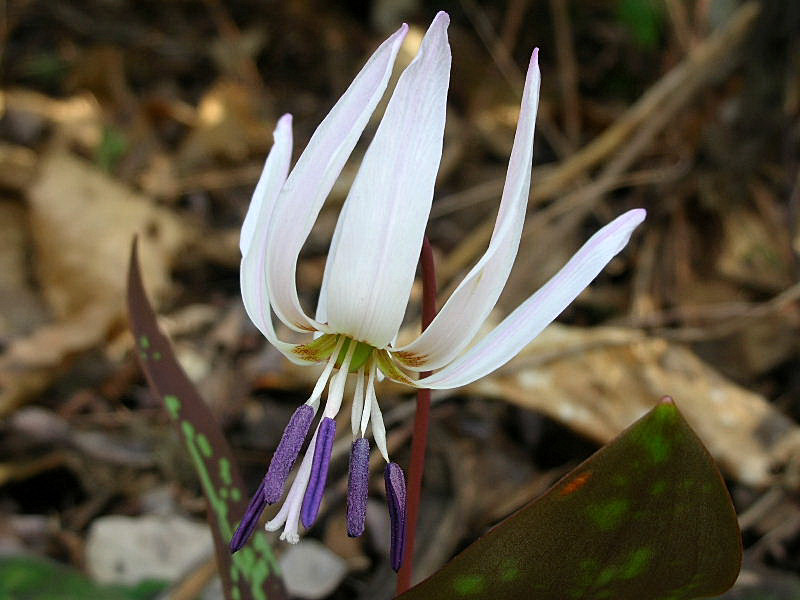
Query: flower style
(370, 270)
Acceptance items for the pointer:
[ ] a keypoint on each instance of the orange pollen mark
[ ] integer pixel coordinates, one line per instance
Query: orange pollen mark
(308, 352)
(305, 327)
(305, 353)
(577, 483)
(412, 359)
(390, 369)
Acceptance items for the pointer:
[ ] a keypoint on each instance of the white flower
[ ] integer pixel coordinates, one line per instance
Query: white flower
(373, 258)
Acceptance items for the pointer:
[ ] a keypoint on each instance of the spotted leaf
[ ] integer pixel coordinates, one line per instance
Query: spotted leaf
(647, 516)
(252, 574)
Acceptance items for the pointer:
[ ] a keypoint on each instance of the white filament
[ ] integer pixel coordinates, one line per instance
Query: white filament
(313, 400)
(358, 402)
(336, 389)
(290, 511)
(368, 400)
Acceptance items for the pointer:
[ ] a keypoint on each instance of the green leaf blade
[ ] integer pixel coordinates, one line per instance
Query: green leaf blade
(647, 516)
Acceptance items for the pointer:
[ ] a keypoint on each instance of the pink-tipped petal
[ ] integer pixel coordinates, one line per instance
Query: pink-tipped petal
(253, 240)
(269, 185)
(313, 176)
(533, 315)
(468, 306)
(372, 267)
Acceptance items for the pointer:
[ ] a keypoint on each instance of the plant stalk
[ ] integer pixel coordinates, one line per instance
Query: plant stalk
(419, 441)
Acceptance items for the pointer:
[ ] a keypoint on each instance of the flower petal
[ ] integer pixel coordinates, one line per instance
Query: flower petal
(533, 315)
(383, 218)
(269, 184)
(468, 306)
(311, 180)
(322, 302)
(253, 240)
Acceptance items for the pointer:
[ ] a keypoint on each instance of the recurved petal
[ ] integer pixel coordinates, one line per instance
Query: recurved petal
(311, 180)
(383, 219)
(468, 306)
(533, 315)
(269, 185)
(322, 302)
(253, 240)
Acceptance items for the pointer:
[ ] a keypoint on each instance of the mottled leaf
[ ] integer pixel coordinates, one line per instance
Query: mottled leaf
(253, 572)
(646, 517)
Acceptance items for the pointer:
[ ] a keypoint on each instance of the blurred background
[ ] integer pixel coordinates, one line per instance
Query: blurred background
(149, 117)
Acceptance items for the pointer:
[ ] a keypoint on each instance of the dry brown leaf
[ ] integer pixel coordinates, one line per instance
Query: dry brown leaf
(78, 119)
(17, 166)
(750, 252)
(82, 223)
(598, 381)
(20, 309)
(230, 124)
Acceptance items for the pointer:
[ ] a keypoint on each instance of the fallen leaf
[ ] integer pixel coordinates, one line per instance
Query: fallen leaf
(82, 222)
(21, 310)
(229, 125)
(598, 380)
(81, 225)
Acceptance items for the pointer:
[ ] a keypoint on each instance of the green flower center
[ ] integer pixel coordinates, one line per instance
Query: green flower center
(360, 354)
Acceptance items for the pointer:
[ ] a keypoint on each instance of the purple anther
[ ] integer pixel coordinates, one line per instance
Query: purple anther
(396, 498)
(249, 520)
(319, 472)
(289, 447)
(358, 487)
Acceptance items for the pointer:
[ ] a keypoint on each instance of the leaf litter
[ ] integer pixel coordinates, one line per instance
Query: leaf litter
(166, 140)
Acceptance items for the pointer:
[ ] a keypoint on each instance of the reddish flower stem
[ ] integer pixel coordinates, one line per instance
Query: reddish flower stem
(421, 420)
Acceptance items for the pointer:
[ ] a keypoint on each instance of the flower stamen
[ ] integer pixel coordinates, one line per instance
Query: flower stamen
(396, 498)
(319, 471)
(358, 487)
(319, 387)
(290, 511)
(358, 402)
(294, 435)
(376, 418)
(370, 392)
(286, 454)
(321, 451)
(249, 520)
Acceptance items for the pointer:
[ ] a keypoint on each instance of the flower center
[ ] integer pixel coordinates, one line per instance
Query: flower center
(361, 353)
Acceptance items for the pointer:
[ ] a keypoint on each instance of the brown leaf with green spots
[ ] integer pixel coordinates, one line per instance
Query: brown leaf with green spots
(646, 517)
(252, 573)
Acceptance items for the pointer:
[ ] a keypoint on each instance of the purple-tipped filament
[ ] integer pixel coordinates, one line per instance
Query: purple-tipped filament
(286, 454)
(396, 497)
(271, 488)
(304, 497)
(249, 520)
(319, 471)
(358, 487)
